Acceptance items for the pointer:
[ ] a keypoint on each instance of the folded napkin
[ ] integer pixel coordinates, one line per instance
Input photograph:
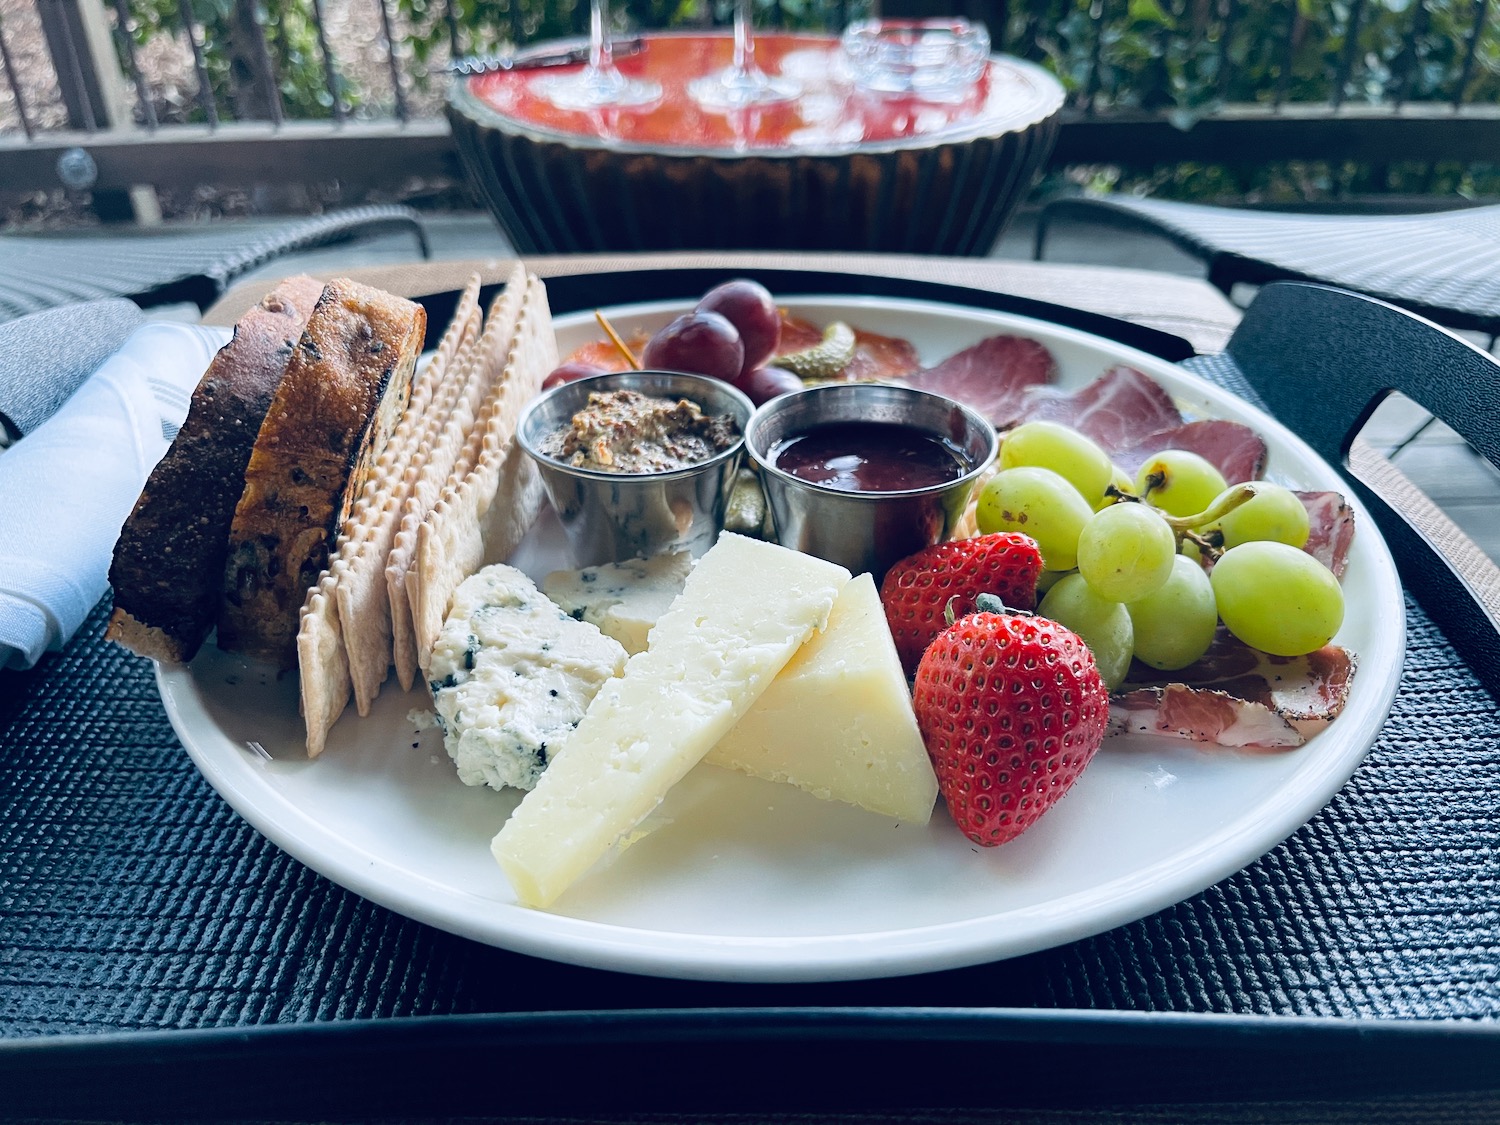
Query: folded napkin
(46, 356)
(67, 486)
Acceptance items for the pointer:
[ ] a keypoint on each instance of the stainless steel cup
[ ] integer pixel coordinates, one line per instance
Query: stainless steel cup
(610, 517)
(866, 531)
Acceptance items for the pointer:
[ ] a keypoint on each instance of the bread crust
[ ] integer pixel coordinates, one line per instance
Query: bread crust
(168, 564)
(346, 383)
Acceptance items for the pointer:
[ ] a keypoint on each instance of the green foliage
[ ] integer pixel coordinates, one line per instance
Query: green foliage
(1182, 57)
(291, 40)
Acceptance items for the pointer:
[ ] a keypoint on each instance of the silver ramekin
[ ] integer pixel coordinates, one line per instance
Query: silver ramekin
(866, 531)
(610, 517)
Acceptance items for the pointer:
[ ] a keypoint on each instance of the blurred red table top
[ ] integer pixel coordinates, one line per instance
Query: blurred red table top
(838, 168)
(831, 114)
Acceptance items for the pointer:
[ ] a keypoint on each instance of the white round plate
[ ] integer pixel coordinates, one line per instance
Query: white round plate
(751, 881)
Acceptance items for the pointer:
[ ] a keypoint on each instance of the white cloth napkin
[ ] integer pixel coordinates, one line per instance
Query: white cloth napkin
(67, 487)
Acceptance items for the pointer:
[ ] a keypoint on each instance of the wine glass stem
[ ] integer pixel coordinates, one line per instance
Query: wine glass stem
(744, 38)
(601, 50)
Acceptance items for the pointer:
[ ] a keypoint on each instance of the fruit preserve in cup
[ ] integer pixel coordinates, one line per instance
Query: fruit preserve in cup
(864, 474)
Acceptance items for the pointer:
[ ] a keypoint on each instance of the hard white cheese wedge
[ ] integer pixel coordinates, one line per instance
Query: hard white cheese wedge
(747, 608)
(623, 599)
(838, 720)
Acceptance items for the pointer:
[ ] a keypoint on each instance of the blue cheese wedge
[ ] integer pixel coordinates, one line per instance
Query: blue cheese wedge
(623, 599)
(512, 675)
(746, 609)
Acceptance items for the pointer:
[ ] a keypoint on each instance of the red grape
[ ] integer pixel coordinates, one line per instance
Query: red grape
(765, 383)
(701, 343)
(749, 306)
(568, 372)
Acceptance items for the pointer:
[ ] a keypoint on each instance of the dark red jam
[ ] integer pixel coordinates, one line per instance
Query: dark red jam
(868, 457)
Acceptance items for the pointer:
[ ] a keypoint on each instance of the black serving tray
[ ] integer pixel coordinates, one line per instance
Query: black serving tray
(775, 1061)
(159, 960)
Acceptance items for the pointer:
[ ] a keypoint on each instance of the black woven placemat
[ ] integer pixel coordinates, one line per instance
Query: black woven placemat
(132, 897)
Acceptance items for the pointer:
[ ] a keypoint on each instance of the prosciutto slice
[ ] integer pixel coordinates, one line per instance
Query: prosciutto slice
(1115, 410)
(1131, 416)
(1237, 696)
(1330, 529)
(1235, 450)
(994, 376)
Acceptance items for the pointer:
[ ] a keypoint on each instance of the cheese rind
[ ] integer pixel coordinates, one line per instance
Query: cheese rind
(625, 600)
(746, 609)
(838, 721)
(511, 676)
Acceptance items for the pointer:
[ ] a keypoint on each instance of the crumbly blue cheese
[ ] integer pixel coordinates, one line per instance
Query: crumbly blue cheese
(623, 599)
(511, 676)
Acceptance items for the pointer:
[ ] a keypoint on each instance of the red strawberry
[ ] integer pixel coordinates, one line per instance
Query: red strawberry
(1011, 708)
(917, 590)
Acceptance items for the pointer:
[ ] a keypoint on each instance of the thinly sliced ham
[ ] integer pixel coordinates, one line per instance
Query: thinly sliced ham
(1131, 416)
(1201, 715)
(1238, 696)
(1234, 449)
(875, 356)
(1115, 410)
(993, 376)
(1330, 529)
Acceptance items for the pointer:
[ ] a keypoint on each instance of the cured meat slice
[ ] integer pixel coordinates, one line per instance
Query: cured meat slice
(1330, 529)
(995, 376)
(1234, 449)
(875, 356)
(1238, 696)
(1201, 715)
(1131, 416)
(1115, 409)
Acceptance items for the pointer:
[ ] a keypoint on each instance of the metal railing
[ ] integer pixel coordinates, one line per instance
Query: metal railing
(1143, 76)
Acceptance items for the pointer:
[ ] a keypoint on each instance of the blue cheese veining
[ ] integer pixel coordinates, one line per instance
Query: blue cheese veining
(623, 599)
(511, 676)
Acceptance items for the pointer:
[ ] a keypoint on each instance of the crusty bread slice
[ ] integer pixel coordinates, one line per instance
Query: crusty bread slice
(344, 632)
(168, 567)
(346, 384)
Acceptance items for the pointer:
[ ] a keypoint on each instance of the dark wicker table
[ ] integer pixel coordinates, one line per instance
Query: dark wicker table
(159, 959)
(838, 169)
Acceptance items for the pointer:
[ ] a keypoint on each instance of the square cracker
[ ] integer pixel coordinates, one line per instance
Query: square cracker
(483, 516)
(469, 408)
(336, 618)
(363, 605)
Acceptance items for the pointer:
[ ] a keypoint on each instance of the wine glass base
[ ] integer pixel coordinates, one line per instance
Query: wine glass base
(595, 88)
(738, 89)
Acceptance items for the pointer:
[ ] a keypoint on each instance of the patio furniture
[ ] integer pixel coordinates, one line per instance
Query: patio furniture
(156, 268)
(837, 169)
(1443, 265)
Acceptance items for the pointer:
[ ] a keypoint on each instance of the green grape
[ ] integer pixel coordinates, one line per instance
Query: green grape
(1175, 625)
(1041, 504)
(1178, 482)
(1050, 578)
(1125, 552)
(1272, 514)
(1104, 625)
(1051, 445)
(1277, 598)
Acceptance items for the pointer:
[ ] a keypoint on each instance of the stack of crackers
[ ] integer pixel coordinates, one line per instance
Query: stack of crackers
(452, 492)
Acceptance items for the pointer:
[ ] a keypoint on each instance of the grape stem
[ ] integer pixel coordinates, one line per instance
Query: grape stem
(1220, 508)
(624, 349)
